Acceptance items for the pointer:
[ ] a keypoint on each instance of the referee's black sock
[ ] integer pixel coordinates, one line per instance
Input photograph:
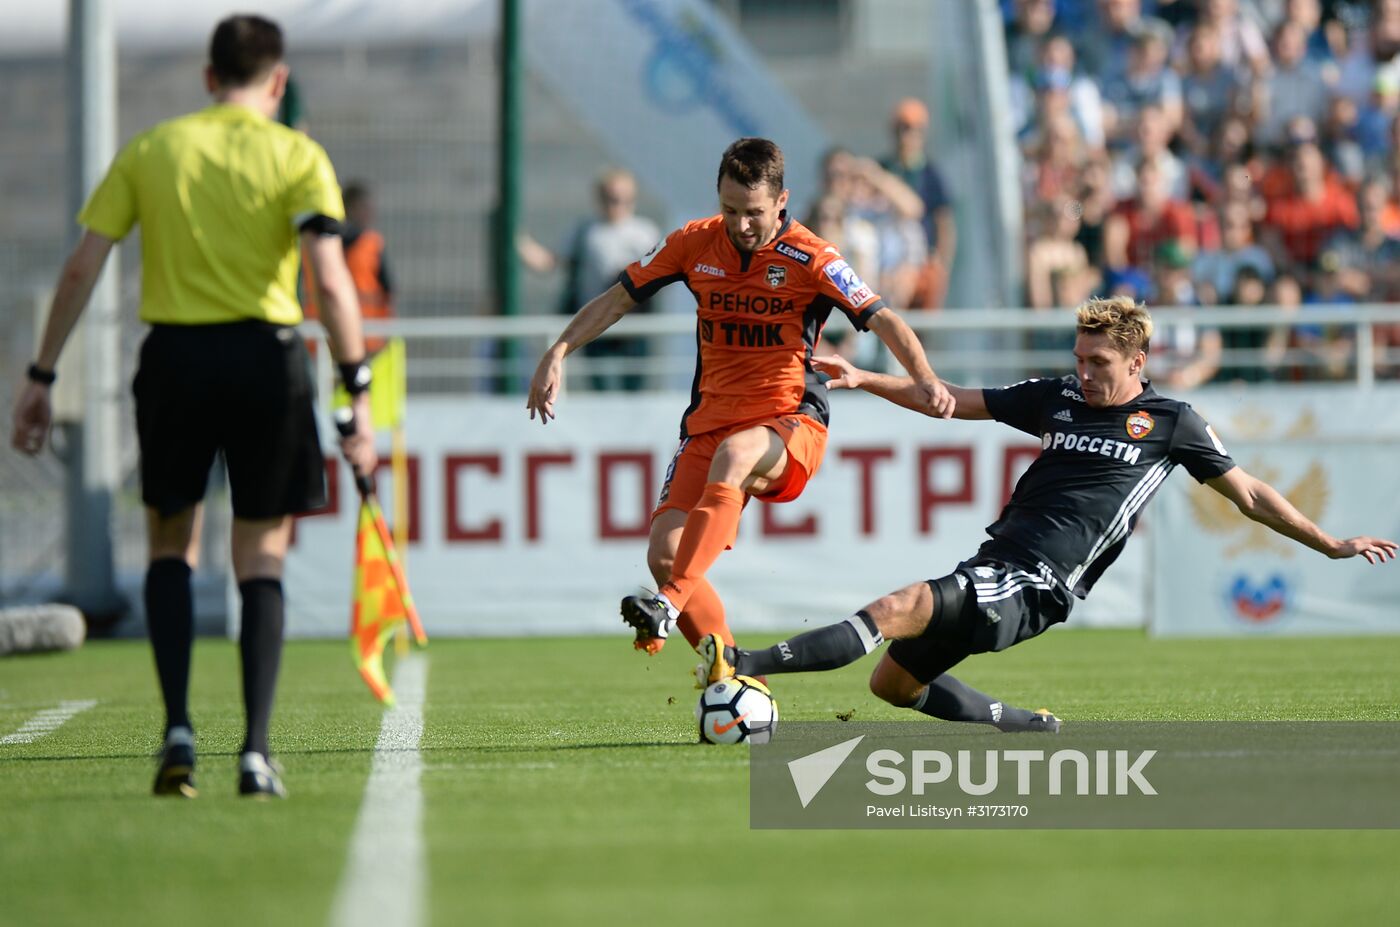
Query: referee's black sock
(951, 700)
(260, 644)
(170, 625)
(825, 648)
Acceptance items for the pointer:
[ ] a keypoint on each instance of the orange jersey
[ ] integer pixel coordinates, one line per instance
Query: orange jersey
(760, 315)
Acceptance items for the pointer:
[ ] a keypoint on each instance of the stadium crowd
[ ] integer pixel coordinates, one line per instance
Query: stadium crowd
(1213, 153)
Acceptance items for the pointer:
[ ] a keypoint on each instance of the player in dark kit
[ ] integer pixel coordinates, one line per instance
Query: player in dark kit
(1108, 442)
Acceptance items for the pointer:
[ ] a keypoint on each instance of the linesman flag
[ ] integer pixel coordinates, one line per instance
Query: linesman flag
(382, 601)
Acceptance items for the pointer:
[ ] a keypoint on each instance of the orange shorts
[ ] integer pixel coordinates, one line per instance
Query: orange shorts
(803, 436)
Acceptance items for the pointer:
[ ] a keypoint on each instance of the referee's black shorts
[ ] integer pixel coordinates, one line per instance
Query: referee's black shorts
(987, 604)
(240, 387)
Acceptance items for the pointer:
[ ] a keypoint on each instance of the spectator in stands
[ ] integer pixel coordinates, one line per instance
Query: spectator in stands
(1325, 39)
(859, 243)
(1208, 173)
(1172, 284)
(1375, 120)
(1340, 140)
(910, 163)
(1058, 272)
(1106, 46)
(1152, 139)
(1295, 87)
(1096, 203)
(1272, 171)
(1266, 343)
(595, 253)
(1054, 167)
(1026, 33)
(856, 239)
(1215, 271)
(1242, 44)
(1036, 96)
(894, 209)
(1315, 206)
(1147, 82)
(1380, 44)
(1209, 88)
(1141, 224)
(1368, 259)
(1332, 346)
(1184, 354)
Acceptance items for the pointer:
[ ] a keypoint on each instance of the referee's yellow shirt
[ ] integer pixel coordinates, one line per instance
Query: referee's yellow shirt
(219, 195)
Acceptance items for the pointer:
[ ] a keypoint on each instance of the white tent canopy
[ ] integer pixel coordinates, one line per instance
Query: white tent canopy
(41, 28)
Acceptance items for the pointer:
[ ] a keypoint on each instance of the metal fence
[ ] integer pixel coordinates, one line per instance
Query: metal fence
(975, 347)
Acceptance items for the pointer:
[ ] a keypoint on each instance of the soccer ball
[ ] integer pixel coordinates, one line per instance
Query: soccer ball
(735, 710)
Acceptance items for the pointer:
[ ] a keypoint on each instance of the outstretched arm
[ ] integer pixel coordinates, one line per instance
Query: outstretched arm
(928, 394)
(1260, 502)
(902, 391)
(597, 316)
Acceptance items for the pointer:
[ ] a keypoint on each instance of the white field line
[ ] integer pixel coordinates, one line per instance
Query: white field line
(46, 722)
(385, 878)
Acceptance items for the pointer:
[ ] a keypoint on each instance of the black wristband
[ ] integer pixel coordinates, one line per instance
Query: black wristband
(355, 377)
(38, 374)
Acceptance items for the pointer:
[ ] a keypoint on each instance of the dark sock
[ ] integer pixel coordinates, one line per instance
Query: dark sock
(260, 644)
(170, 625)
(950, 700)
(825, 648)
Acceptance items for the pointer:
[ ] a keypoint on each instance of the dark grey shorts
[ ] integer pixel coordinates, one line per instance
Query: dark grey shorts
(985, 604)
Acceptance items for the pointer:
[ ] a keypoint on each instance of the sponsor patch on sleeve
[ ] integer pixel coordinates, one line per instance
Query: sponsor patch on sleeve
(848, 282)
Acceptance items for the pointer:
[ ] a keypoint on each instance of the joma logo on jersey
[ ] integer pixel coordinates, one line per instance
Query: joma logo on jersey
(1104, 447)
(1140, 425)
(710, 269)
(750, 305)
(743, 334)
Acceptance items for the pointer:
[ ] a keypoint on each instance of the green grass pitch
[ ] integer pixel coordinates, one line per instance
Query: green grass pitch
(561, 785)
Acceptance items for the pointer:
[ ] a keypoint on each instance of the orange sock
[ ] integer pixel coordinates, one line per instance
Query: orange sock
(709, 528)
(704, 614)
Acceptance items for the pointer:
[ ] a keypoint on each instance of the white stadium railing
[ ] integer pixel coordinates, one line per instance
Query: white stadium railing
(497, 353)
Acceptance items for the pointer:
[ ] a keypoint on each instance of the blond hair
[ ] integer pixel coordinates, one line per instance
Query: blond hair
(1125, 322)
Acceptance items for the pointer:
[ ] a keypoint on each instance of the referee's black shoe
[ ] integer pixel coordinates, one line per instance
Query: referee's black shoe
(259, 777)
(175, 774)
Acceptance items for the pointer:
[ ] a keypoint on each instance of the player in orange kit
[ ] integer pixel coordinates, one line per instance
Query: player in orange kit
(756, 424)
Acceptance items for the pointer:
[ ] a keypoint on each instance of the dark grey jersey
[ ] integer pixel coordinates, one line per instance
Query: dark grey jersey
(1076, 504)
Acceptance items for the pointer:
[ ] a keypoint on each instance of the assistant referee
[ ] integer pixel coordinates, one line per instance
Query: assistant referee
(225, 198)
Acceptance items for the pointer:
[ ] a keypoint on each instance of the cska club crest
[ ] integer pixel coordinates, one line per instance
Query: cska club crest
(777, 275)
(1140, 425)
